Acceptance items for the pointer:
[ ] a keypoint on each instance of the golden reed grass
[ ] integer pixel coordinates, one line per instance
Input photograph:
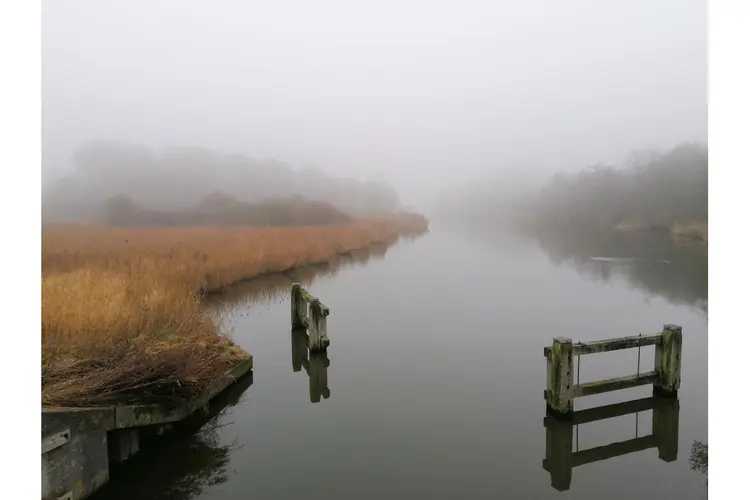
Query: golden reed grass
(120, 314)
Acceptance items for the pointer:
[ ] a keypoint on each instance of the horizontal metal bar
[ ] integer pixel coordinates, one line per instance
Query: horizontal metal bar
(598, 346)
(55, 440)
(614, 384)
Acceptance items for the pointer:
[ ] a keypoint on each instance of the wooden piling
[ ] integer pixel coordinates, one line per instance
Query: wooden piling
(317, 326)
(560, 377)
(668, 361)
(297, 304)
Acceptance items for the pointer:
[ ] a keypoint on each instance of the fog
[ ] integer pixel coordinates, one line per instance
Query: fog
(424, 95)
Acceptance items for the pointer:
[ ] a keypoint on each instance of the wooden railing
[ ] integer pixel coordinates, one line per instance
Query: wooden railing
(665, 376)
(308, 312)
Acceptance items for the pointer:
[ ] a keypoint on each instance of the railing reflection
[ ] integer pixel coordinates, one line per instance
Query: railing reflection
(315, 365)
(560, 458)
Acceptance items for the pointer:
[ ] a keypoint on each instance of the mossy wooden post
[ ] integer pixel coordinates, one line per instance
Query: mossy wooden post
(297, 303)
(668, 360)
(560, 377)
(317, 326)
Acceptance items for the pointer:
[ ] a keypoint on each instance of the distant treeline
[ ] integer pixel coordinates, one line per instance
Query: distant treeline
(176, 180)
(220, 209)
(660, 191)
(656, 191)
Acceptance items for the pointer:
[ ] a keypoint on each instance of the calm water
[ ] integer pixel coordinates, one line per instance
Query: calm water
(435, 377)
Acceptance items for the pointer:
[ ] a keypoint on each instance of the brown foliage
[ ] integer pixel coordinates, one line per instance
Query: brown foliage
(120, 313)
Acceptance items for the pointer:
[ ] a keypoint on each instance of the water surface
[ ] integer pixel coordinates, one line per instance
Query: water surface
(433, 384)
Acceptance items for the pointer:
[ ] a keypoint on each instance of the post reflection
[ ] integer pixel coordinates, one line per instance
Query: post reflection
(560, 457)
(315, 365)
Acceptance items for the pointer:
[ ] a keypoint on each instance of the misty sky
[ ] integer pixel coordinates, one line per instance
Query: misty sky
(421, 93)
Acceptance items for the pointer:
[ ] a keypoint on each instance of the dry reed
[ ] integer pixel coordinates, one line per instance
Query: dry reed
(120, 313)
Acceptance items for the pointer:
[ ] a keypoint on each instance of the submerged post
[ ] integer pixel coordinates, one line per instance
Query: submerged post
(297, 303)
(560, 377)
(668, 360)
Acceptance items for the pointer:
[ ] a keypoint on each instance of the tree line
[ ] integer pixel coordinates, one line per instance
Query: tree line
(178, 179)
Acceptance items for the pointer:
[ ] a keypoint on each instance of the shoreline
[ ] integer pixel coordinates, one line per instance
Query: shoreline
(218, 291)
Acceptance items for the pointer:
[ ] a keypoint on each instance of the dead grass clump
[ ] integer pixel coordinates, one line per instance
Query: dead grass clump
(120, 312)
(107, 334)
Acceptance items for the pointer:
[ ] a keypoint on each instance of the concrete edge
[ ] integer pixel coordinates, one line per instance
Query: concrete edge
(123, 416)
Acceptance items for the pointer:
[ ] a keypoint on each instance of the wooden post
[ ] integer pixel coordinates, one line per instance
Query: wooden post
(560, 380)
(312, 329)
(665, 426)
(668, 360)
(297, 304)
(317, 326)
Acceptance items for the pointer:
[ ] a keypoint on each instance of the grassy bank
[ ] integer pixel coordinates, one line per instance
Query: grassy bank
(121, 316)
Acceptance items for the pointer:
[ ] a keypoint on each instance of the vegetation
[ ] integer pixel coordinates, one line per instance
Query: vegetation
(177, 179)
(220, 209)
(667, 192)
(120, 314)
(656, 192)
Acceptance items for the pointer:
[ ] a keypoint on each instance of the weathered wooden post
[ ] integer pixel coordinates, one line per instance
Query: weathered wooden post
(668, 360)
(317, 326)
(297, 303)
(560, 377)
(665, 426)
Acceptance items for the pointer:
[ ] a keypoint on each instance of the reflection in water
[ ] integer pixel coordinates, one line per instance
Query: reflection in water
(560, 459)
(274, 288)
(682, 279)
(315, 364)
(188, 459)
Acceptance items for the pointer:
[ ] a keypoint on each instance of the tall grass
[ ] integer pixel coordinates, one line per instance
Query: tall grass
(121, 309)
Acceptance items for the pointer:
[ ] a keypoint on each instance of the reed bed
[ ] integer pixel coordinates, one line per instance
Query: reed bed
(122, 316)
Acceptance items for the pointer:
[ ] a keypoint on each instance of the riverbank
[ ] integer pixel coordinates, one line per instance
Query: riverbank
(120, 314)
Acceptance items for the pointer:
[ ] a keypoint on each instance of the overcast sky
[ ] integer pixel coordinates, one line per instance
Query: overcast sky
(421, 93)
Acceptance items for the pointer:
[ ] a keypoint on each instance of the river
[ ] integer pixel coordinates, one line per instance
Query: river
(436, 375)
